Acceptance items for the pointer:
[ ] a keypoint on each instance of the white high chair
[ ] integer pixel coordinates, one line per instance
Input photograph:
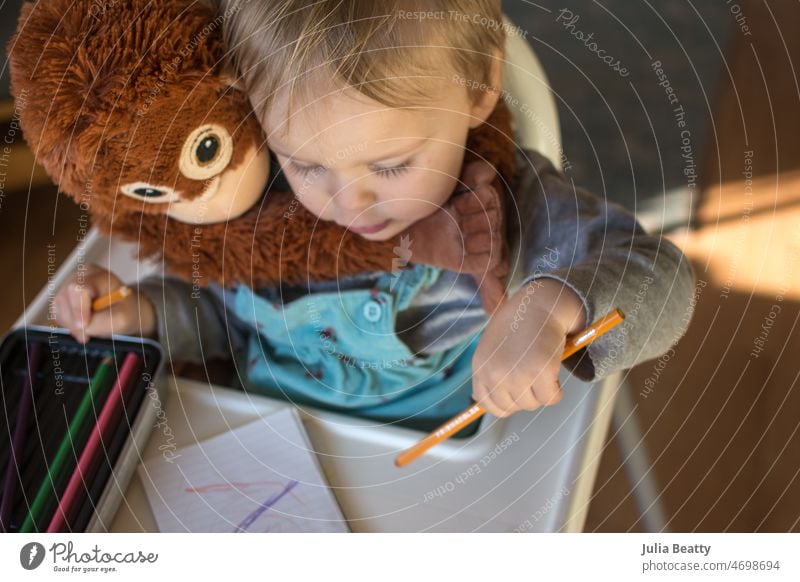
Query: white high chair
(542, 482)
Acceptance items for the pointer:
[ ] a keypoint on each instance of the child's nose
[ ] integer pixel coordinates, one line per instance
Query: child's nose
(354, 196)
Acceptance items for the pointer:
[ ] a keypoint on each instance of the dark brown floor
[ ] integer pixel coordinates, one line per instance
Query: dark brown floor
(721, 424)
(29, 222)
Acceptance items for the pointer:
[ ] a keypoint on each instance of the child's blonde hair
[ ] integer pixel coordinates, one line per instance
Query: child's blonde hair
(386, 49)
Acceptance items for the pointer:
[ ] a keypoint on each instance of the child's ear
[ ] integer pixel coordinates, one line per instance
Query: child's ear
(486, 101)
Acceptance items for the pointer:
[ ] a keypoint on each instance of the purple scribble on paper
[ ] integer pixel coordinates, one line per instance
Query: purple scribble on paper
(248, 521)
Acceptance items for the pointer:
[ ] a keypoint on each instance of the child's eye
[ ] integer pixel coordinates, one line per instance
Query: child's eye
(304, 170)
(392, 172)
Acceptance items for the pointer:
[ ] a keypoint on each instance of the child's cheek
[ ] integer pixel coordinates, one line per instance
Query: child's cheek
(416, 197)
(312, 198)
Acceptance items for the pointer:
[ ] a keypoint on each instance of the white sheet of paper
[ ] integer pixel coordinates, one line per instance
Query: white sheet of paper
(261, 477)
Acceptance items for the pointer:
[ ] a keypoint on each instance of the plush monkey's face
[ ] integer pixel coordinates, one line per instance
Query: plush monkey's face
(194, 154)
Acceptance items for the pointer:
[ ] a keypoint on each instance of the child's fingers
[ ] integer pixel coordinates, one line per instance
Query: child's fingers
(502, 269)
(119, 319)
(477, 173)
(512, 395)
(480, 394)
(485, 197)
(481, 243)
(80, 300)
(548, 392)
(72, 306)
(481, 199)
(496, 401)
(479, 222)
(489, 406)
(99, 281)
(498, 407)
(102, 324)
(526, 400)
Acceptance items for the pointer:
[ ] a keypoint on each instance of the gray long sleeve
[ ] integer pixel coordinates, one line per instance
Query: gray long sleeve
(598, 249)
(193, 323)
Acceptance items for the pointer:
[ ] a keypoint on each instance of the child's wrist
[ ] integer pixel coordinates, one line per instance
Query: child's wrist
(561, 304)
(148, 319)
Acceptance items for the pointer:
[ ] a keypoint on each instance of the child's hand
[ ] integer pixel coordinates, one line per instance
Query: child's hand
(481, 214)
(518, 358)
(72, 308)
(468, 234)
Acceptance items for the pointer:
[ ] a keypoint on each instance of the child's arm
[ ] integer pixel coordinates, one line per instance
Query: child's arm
(191, 323)
(575, 257)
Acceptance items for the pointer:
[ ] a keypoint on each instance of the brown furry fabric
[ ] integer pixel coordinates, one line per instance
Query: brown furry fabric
(108, 97)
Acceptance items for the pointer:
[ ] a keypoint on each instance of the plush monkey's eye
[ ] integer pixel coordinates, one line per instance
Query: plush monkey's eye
(206, 152)
(149, 192)
(145, 192)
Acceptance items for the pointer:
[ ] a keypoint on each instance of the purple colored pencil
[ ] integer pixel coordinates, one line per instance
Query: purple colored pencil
(34, 355)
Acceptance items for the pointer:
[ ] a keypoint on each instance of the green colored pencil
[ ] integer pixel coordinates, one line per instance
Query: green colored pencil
(100, 381)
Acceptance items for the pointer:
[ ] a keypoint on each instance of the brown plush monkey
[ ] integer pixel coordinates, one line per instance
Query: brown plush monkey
(128, 108)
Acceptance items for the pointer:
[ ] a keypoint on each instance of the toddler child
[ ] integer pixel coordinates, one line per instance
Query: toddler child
(367, 107)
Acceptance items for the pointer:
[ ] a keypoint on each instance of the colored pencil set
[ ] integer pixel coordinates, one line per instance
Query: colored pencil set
(68, 412)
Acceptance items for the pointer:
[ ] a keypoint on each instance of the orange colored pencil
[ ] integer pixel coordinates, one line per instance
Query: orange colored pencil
(106, 301)
(474, 412)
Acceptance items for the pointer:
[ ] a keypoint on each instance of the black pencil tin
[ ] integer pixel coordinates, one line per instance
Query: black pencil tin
(62, 378)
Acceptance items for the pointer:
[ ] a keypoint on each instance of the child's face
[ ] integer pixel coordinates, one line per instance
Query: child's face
(373, 169)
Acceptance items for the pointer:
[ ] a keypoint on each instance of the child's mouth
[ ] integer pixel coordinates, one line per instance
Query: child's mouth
(374, 229)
